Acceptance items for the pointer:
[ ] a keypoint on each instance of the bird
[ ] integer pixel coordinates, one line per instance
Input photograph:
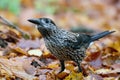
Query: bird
(63, 44)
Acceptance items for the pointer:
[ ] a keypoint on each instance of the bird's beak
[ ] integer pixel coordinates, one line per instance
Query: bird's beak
(35, 21)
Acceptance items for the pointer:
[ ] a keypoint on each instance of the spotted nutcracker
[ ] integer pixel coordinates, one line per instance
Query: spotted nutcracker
(65, 45)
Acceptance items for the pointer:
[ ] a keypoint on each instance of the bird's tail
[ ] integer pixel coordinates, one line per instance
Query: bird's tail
(100, 35)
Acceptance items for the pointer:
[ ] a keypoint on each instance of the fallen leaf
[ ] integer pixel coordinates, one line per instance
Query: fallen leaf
(107, 72)
(27, 44)
(74, 76)
(35, 52)
(62, 75)
(14, 68)
(20, 51)
(42, 77)
(94, 59)
(93, 77)
(116, 66)
(103, 71)
(53, 65)
(70, 67)
(50, 76)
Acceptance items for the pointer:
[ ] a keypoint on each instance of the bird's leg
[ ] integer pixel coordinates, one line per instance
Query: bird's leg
(78, 64)
(62, 65)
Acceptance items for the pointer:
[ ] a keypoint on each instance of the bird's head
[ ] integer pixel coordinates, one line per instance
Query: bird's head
(44, 25)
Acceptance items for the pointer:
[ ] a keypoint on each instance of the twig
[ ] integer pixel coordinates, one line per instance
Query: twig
(11, 25)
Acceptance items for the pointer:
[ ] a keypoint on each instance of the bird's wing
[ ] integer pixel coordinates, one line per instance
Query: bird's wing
(75, 41)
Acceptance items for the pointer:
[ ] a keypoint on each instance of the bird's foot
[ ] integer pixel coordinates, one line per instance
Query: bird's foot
(62, 65)
(79, 69)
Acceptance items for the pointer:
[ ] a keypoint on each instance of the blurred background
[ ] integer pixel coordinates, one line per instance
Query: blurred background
(84, 15)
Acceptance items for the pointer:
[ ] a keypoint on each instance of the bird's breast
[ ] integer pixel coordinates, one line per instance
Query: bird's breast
(57, 48)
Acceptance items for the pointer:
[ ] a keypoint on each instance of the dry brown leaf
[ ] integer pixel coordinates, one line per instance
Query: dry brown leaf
(94, 59)
(14, 67)
(43, 71)
(110, 59)
(74, 76)
(70, 67)
(93, 77)
(42, 77)
(103, 71)
(50, 76)
(62, 75)
(116, 66)
(14, 33)
(110, 78)
(27, 44)
(20, 51)
(108, 72)
(53, 65)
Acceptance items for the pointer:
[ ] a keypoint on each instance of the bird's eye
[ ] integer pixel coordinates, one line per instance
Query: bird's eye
(46, 21)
